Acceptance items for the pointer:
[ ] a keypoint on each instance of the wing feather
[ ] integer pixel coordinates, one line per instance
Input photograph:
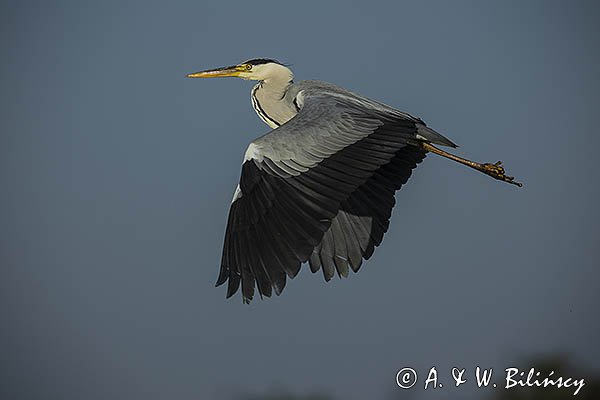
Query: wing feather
(318, 189)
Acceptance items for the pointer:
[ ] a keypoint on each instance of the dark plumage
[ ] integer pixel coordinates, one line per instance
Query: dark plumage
(259, 61)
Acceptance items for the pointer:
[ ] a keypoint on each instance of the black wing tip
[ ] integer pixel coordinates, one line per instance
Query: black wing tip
(278, 289)
(220, 282)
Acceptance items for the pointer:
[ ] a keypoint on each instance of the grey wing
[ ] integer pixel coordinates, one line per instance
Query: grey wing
(364, 217)
(319, 188)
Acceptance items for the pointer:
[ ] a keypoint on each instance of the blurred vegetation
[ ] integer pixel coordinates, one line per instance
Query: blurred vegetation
(560, 365)
(286, 396)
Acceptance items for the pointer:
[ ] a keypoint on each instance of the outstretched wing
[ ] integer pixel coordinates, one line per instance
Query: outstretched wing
(319, 188)
(364, 217)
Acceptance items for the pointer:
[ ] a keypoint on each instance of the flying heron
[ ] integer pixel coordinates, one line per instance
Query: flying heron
(319, 187)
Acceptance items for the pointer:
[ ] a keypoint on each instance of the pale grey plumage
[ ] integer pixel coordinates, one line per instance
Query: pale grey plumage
(331, 119)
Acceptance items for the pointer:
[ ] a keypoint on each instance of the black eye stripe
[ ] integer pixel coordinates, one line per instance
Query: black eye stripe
(258, 61)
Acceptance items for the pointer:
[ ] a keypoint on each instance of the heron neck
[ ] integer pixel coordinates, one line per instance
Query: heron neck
(270, 101)
(277, 81)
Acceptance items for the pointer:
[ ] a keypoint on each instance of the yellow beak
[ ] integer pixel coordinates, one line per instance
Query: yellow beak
(234, 70)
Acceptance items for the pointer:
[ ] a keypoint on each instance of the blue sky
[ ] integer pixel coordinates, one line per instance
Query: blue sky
(117, 173)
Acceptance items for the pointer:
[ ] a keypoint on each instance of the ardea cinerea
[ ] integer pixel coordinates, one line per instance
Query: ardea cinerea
(319, 187)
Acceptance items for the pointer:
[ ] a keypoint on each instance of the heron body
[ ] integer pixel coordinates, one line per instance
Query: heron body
(319, 187)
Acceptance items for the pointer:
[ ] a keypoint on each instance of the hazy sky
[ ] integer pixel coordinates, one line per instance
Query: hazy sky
(116, 176)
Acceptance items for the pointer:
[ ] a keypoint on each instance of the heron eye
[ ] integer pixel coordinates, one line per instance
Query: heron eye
(248, 67)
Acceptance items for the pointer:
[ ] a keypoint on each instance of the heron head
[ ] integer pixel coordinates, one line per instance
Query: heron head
(257, 69)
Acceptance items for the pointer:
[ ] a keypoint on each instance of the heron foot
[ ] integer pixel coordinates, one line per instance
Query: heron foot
(497, 171)
(494, 170)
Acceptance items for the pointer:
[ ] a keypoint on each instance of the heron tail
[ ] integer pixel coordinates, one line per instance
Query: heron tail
(426, 133)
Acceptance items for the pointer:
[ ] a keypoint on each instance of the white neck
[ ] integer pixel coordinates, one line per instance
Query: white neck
(268, 96)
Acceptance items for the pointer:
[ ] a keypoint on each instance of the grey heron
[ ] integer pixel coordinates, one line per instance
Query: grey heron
(319, 187)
